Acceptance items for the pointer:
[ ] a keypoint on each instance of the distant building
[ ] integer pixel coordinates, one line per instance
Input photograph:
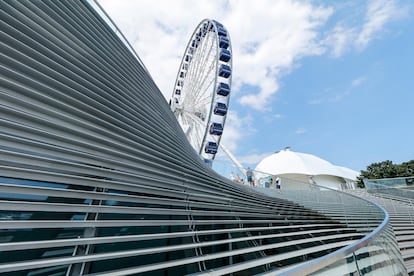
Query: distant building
(296, 169)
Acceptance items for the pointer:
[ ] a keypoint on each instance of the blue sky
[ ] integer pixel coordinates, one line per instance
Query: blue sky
(329, 78)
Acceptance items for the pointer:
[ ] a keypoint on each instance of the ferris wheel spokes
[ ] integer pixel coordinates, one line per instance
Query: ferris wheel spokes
(202, 89)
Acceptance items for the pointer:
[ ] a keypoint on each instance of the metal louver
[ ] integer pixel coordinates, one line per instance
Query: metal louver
(98, 178)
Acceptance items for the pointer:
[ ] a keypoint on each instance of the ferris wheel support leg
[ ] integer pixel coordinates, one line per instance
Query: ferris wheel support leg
(233, 159)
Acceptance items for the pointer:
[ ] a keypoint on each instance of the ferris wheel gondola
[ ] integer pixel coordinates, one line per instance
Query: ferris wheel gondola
(201, 93)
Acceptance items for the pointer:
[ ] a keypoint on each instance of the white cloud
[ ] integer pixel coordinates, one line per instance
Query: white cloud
(267, 37)
(254, 158)
(268, 40)
(357, 82)
(332, 96)
(159, 31)
(344, 37)
(236, 129)
(379, 12)
(340, 39)
(300, 131)
(270, 118)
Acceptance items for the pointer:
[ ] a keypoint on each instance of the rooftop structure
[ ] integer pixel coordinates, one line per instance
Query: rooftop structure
(301, 166)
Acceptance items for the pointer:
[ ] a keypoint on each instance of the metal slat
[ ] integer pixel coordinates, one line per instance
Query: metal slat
(113, 239)
(121, 254)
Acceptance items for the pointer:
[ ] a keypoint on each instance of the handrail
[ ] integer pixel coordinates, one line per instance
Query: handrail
(329, 259)
(319, 263)
(395, 182)
(377, 188)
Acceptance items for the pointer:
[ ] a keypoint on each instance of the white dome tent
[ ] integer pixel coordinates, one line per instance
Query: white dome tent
(295, 168)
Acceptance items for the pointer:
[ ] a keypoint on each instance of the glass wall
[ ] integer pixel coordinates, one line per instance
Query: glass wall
(376, 252)
(399, 187)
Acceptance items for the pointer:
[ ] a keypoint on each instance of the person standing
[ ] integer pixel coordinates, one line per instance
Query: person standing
(270, 179)
(239, 179)
(278, 184)
(249, 175)
(232, 177)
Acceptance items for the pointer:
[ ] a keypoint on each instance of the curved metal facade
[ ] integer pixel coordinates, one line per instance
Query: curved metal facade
(98, 178)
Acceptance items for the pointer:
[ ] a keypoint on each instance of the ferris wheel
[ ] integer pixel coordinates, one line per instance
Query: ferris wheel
(201, 94)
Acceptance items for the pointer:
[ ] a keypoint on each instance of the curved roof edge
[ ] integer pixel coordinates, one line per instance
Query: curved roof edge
(291, 162)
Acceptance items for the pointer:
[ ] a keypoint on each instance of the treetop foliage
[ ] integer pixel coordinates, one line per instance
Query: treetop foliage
(386, 169)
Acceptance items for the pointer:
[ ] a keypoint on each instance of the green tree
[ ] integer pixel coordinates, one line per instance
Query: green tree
(386, 169)
(407, 168)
